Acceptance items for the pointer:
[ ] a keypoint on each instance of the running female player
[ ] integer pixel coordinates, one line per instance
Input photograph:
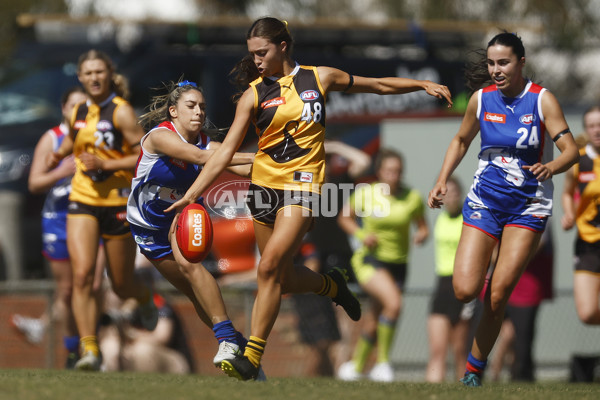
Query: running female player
(511, 196)
(104, 138)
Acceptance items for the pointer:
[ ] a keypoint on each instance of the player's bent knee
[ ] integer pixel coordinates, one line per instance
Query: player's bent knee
(82, 279)
(589, 316)
(267, 268)
(465, 295)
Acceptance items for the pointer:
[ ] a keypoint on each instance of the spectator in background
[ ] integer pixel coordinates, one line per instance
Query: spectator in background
(127, 346)
(449, 320)
(385, 210)
(104, 137)
(56, 182)
(580, 206)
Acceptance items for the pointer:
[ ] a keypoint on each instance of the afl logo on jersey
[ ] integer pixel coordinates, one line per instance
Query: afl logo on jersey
(527, 119)
(104, 126)
(309, 95)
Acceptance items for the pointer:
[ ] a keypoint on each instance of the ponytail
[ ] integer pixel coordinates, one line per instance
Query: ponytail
(120, 85)
(477, 75)
(243, 73)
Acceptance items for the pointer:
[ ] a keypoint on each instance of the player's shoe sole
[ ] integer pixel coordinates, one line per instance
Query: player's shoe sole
(241, 368)
(345, 297)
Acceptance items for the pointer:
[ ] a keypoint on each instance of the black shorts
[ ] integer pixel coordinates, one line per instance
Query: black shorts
(264, 203)
(112, 221)
(397, 270)
(444, 301)
(587, 256)
(316, 318)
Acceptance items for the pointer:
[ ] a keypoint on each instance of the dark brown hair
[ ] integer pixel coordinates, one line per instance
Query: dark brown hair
(67, 93)
(272, 29)
(159, 106)
(384, 154)
(476, 70)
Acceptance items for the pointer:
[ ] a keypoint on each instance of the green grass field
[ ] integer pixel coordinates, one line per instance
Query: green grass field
(23, 384)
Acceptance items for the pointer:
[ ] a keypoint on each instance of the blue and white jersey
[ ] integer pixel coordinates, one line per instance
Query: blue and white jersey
(57, 199)
(513, 135)
(159, 181)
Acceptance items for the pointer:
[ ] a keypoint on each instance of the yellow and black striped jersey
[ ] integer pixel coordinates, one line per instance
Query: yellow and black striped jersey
(289, 115)
(587, 176)
(95, 131)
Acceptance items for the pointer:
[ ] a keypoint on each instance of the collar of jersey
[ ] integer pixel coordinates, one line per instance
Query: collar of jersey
(294, 72)
(590, 151)
(64, 128)
(105, 102)
(180, 135)
(527, 86)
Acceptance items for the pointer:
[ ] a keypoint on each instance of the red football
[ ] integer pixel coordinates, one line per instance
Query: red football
(194, 233)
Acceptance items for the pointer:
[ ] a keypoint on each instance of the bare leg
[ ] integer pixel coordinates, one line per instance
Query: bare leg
(471, 263)
(120, 256)
(144, 356)
(438, 328)
(82, 241)
(586, 289)
(61, 308)
(503, 351)
(169, 268)
(276, 272)
(458, 338)
(517, 247)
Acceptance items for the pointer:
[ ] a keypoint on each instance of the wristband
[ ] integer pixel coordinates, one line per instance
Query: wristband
(350, 84)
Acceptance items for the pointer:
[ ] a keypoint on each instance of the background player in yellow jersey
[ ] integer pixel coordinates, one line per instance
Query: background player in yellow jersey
(584, 177)
(104, 137)
(286, 103)
(386, 209)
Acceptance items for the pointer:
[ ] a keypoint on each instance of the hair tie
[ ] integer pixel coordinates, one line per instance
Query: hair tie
(187, 83)
(286, 25)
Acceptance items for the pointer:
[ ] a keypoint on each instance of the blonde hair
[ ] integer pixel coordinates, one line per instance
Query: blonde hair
(120, 84)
